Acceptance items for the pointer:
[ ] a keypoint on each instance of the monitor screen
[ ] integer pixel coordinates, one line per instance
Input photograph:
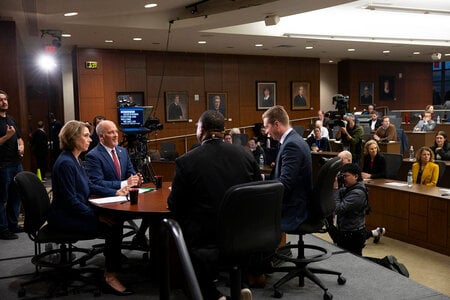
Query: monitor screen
(131, 117)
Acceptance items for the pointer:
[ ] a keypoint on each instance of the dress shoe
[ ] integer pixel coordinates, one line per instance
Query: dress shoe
(8, 235)
(381, 232)
(107, 289)
(246, 294)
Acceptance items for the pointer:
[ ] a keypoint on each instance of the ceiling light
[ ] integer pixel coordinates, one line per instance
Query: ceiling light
(447, 54)
(109, 41)
(66, 35)
(331, 61)
(201, 42)
(386, 51)
(416, 52)
(137, 39)
(351, 50)
(406, 9)
(309, 47)
(259, 45)
(71, 14)
(150, 5)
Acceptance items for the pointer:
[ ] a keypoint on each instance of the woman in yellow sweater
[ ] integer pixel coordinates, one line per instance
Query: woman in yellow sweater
(424, 170)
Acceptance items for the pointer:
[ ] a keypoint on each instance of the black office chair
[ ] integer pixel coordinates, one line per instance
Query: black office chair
(393, 164)
(36, 203)
(442, 167)
(322, 207)
(168, 151)
(170, 228)
(249, 222)
(300, 129)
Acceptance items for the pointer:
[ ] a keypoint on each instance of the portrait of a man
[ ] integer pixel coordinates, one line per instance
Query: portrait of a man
(300, 95)
(266, 94)
(366, 93)
(217, 102)
(176, 106)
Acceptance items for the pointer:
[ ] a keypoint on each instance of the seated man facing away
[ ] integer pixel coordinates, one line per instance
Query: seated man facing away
(105, 179)
(201, 179)
(386, 132)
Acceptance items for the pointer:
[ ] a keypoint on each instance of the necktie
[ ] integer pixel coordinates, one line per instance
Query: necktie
(116, 162)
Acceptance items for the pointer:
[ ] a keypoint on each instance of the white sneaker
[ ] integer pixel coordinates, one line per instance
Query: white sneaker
(246, 294)
(381, 231)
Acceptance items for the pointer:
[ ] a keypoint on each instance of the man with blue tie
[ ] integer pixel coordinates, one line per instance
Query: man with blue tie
(109, 168)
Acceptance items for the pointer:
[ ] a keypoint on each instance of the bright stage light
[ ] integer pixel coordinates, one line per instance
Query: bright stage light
(47, 62)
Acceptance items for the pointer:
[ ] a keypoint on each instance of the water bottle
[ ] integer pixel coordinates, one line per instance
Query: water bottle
(261, 161)
(411, 153)
(438, 120)
(409, 179)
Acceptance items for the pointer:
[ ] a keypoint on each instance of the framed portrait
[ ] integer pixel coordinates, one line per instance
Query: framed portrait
(266, 94)
(300, 94)
(387, 88)
(217, 101)
(177, 106)
(366, 92)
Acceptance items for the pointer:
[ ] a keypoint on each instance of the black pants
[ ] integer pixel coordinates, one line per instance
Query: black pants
(353, 241)
(113, 241)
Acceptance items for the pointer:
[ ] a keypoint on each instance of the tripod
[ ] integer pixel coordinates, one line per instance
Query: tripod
(136, 145)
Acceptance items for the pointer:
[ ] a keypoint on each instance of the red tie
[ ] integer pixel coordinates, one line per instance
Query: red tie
(116, 162)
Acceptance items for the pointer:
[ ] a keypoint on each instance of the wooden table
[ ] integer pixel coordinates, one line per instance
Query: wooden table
(418, 215)
(419, 139)
(391, 147)
(407, 165)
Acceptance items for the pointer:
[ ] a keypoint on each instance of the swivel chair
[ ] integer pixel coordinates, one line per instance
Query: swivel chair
(249, 222)
(35, 203)
(322, 206)
(393, 164)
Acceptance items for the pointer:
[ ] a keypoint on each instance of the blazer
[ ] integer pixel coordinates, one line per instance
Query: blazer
(70, 210)
(201, 179)
(293, 168)
(427, 126)
(430, 174)
(444, 153)
(103, 177)
(379, 166)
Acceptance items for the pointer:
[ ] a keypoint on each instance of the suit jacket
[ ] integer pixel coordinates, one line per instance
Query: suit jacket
(377, 124)
(379, 166)
(430, 174)
(299, 101)
(202, 176)
(390, 133)
(39, 143)
(293, 168)
(428, 126)
(444, 153)
(70, 210)
(104, 180)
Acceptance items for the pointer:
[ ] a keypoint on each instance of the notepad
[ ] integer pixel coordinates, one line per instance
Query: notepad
(108, 200)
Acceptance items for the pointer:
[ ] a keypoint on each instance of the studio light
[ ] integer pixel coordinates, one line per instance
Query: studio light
(47, 62)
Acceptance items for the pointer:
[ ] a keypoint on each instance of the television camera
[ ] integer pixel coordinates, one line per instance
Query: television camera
(341, 103)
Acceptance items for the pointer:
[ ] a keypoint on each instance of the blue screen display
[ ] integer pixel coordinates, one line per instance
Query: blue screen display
(131, 117)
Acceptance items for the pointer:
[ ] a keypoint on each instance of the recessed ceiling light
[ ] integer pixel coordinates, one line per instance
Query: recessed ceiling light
(331, 61)
(66, 35)
(137, 39)
(109, 41)
(201, 42)
(309, 47)
(259, 45)
(386, 51)
(351, 50)
(71, 14)
(416, 52)
(447, 54)
(150, 5)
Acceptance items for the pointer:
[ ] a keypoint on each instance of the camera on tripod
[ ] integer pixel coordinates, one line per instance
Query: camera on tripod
(341, 103)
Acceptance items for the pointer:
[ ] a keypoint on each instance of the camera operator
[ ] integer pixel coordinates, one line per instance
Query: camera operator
(351, 137)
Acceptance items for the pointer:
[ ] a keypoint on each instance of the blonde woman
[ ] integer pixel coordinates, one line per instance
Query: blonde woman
(374, 163)
(424, 170)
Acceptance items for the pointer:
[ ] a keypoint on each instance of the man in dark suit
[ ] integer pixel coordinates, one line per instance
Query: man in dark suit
(293, 168)
(104, 179)
(39, 148)
(300, 99)
(202, 176)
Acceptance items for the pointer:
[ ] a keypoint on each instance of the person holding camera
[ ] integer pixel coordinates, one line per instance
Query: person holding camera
(351, 137)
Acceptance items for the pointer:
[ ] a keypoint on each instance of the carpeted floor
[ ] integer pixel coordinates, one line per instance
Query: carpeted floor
(365, 280)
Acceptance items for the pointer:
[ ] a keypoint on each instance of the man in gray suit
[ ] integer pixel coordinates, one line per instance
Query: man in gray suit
(293, 168)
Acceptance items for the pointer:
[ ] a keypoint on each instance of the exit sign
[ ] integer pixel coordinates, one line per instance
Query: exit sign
(91, 65)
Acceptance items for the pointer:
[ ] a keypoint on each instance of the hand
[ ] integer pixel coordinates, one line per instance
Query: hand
(134, 180)
(10, 131)
(376, 137)
(365, 175)
(123, 191)
(21, 150)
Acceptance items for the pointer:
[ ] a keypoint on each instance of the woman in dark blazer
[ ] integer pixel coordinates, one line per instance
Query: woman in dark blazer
(374, 163)
(70, 210)
(441, 147)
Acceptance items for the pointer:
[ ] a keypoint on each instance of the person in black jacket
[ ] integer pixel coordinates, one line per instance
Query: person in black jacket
(39, 148)
(374, 163)
(441, 147)
(317, 143)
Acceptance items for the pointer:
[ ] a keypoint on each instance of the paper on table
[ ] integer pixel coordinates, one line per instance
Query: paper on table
(144, 190)
(108, 200)
(396, 183)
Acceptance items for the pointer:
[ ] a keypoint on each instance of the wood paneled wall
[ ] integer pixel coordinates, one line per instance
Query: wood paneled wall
(196, 74)
(413, 82)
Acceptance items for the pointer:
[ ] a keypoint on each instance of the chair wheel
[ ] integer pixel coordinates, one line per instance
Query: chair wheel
(277, 294)
(21, 292)
(341, 280)
(327, 296)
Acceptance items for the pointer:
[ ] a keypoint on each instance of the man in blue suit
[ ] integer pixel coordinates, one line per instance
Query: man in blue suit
(293, 168)
(105, 179)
